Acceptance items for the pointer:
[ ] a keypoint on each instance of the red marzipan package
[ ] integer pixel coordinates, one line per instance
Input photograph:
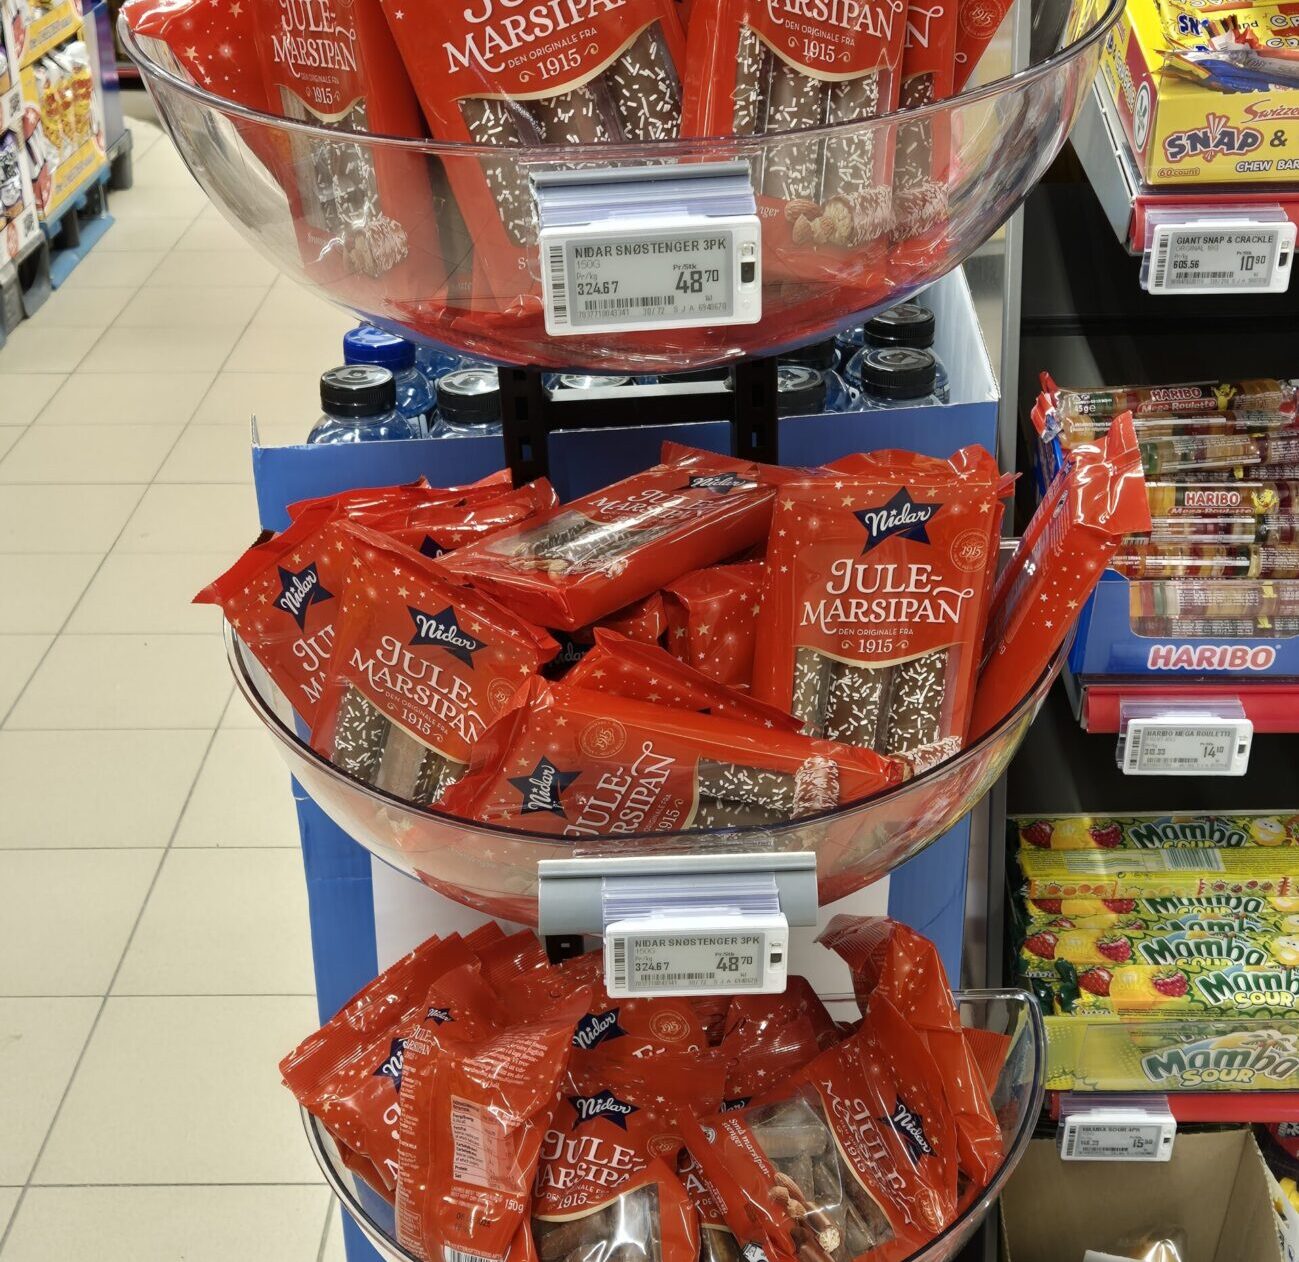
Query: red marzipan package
(575, 564)
(283, 596)
(891, 959)
(643, 620)
(629, 1029)
(645, 672)
(569, 762)
(922, 152)
(606, 1183)
(751, 1019)
(875, 597)
(758, 66)
(977, 22)
(480, 1085)
(712, 620)
(421, 666)
(350, 1077)
(570, 72)
(361, 502)
(770, 1036)
(365, 215)
(512, 960)
(1097, 497)
(207, 42)
(435, 529)
(852, 1157)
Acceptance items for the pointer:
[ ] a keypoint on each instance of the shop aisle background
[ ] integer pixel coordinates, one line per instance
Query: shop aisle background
(154, 959)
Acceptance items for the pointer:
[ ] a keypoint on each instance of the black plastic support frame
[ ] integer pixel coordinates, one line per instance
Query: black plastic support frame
(530, 415)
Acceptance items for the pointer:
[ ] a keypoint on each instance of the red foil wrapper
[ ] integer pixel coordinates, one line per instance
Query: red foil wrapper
(1098, 497)
(876, 597)
(573, 565)
(852, 1156)
(643, 620)
(569, 762)
(645, 672)
(895, 961)
(756, 67)
(713, 620)
(282, 598)
(434, 529)
(421, 667)
(580, 72)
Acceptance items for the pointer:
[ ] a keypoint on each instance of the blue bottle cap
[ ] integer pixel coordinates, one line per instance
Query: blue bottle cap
(367, 345)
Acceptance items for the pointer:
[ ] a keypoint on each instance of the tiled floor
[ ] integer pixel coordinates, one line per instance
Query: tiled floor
(154, 962)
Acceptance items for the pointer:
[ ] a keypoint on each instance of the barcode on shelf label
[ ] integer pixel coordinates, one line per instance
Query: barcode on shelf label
(475, 1139)
(557, 289)
(1183, 747)
(1208, 256)
(683, 960)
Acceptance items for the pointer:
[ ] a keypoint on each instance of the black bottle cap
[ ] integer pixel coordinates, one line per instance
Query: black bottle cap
(801, 391)
(907, 324)
(822, 355)
(357, 390)
(898, 372)
(469, 396)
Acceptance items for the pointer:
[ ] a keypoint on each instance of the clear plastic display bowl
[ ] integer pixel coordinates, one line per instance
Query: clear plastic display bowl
(276, 181)
(494, 869)
(1016, 1100)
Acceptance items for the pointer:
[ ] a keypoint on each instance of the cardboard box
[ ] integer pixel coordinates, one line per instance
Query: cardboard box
(1186, 133)
(1215, 1191)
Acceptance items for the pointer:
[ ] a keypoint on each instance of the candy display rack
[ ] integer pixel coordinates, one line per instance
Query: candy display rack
(365, 909)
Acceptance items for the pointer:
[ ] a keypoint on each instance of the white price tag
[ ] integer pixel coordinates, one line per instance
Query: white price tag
(1220, 256)
(1108, 1137)
(655, 956)
(1187, 746)
(606, 279)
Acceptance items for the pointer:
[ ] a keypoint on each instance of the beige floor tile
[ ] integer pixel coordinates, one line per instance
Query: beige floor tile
(31, 349)
(38, 1051)
(236, 397)
(209, 308)
(193, 519)
(106, 268)
(161, 166)
(147, 398)
(126, 681)
(131, 787)
(210, 453)
(136, 350)
(88, 453)
(67, 916)
(244, 795)
(184, 1091)
(286, 349)
(87, 308)
(24, 395)
(9, 434)
(169, 1224)
(40, 589)
(208, 233)
(290, 306)
(176, 201)
(145, 232)
(136, 594)
(239, 716)
(187, 268)
(19, 656)
(222, 922)
(8, 1200)
(64, 518)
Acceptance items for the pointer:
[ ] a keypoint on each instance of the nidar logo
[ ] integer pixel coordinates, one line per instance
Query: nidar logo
(299, 590)
(542, 788)
(901, 516)
(443, 630)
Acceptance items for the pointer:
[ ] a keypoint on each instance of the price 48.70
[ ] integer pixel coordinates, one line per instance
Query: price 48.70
(692, 280)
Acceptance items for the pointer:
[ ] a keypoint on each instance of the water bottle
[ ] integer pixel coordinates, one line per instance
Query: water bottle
(908, 324)
(896, 377)
(468, 404)
(359, 402)
(367, 345)
(434, 361)
(581, 381)
(800, 391)
(822, 357)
